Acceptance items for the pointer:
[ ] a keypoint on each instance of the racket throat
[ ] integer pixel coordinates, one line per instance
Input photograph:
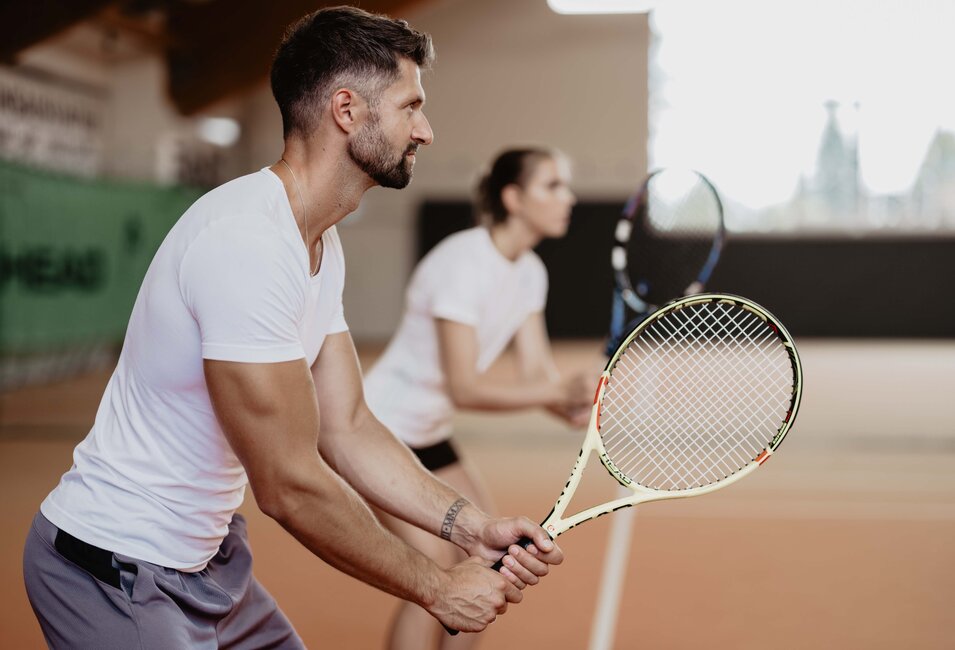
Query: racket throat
(616, 473)
(555, 524)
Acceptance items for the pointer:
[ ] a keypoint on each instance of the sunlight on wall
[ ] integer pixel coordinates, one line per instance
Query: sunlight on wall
(810, 115)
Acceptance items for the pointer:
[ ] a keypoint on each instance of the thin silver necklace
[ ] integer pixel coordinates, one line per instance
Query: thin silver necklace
(308, 242)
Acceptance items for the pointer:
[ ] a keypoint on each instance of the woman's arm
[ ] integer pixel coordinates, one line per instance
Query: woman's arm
(532, 345)
(539, 386)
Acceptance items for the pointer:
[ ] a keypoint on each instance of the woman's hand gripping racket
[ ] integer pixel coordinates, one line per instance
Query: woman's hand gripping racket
(698, 395)
(667, 243)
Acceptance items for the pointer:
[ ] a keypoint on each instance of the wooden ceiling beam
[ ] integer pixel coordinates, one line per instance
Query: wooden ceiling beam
(221, 47)
(27, 22)
(213, 49)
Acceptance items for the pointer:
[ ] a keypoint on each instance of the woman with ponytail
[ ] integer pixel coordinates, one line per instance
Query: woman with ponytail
(473, 294)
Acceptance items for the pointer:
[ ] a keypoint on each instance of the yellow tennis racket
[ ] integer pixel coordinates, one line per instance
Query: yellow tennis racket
(697, 396)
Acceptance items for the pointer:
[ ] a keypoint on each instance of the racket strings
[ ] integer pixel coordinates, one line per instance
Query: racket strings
(695, 397)
(685, 421)
(701, 450)
(680, 203)
(697, 448)
(677, 221)
(660, 270)
(740, 428)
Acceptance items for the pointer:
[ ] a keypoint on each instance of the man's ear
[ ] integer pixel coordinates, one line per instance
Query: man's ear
(348, 109)
(511, 198)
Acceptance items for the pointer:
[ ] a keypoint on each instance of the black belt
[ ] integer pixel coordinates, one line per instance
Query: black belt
(97, 561)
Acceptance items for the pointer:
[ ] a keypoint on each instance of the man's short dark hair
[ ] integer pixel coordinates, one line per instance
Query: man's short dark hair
(340, 47)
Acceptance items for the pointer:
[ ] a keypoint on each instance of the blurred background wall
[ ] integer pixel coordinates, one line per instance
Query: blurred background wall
(174, 94)
(827, 127)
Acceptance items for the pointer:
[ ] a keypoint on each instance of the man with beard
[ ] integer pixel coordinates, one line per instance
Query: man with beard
(238, 368)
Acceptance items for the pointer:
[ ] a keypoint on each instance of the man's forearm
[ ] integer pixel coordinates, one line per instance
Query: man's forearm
(330, 519)
(406, 490)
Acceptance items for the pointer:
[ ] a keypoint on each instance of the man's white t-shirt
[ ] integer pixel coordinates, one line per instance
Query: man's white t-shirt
(156, 479)
(465, 279)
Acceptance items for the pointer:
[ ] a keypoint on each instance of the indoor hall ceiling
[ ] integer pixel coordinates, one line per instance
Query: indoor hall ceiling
(212, 48)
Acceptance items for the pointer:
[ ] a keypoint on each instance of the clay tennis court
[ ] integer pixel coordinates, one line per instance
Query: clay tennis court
(843, 540)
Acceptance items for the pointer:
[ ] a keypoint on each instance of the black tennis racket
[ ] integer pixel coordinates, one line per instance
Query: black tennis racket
(667, 243)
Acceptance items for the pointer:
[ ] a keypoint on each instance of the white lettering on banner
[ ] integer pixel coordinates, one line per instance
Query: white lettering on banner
(50, 125)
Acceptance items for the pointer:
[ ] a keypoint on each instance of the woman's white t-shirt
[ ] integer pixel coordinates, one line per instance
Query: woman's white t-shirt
(156, 479)
(465, 279)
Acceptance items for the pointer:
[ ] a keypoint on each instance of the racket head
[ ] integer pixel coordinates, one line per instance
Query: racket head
(668, 239)
(702, 391)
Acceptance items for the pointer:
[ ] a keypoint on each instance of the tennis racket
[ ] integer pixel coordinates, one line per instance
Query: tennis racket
(701, 393)
(667, 243)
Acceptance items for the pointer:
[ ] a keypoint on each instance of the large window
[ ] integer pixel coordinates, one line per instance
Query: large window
(810, 115)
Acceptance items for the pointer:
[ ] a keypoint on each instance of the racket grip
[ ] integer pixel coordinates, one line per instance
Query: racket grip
(524, 542)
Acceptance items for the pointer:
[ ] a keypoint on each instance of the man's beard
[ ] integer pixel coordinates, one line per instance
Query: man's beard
(371, 152)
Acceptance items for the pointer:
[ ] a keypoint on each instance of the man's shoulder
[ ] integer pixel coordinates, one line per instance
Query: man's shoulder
(245, 192)
(247, 206)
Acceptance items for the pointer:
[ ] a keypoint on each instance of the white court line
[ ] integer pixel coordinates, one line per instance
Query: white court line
(604, 627)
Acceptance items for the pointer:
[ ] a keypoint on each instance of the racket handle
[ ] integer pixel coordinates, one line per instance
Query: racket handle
(524, 542)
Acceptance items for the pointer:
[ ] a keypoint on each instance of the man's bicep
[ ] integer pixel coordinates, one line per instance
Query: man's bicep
(266, 410)
(336, 375)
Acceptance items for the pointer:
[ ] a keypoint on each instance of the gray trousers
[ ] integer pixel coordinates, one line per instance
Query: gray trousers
(85, 597)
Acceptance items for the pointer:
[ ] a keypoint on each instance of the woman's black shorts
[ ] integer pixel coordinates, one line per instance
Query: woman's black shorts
(437, 456)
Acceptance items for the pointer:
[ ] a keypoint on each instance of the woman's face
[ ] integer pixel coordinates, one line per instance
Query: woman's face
(545, 201)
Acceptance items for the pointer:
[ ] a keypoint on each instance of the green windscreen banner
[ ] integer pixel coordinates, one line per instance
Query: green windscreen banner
(73, 253)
